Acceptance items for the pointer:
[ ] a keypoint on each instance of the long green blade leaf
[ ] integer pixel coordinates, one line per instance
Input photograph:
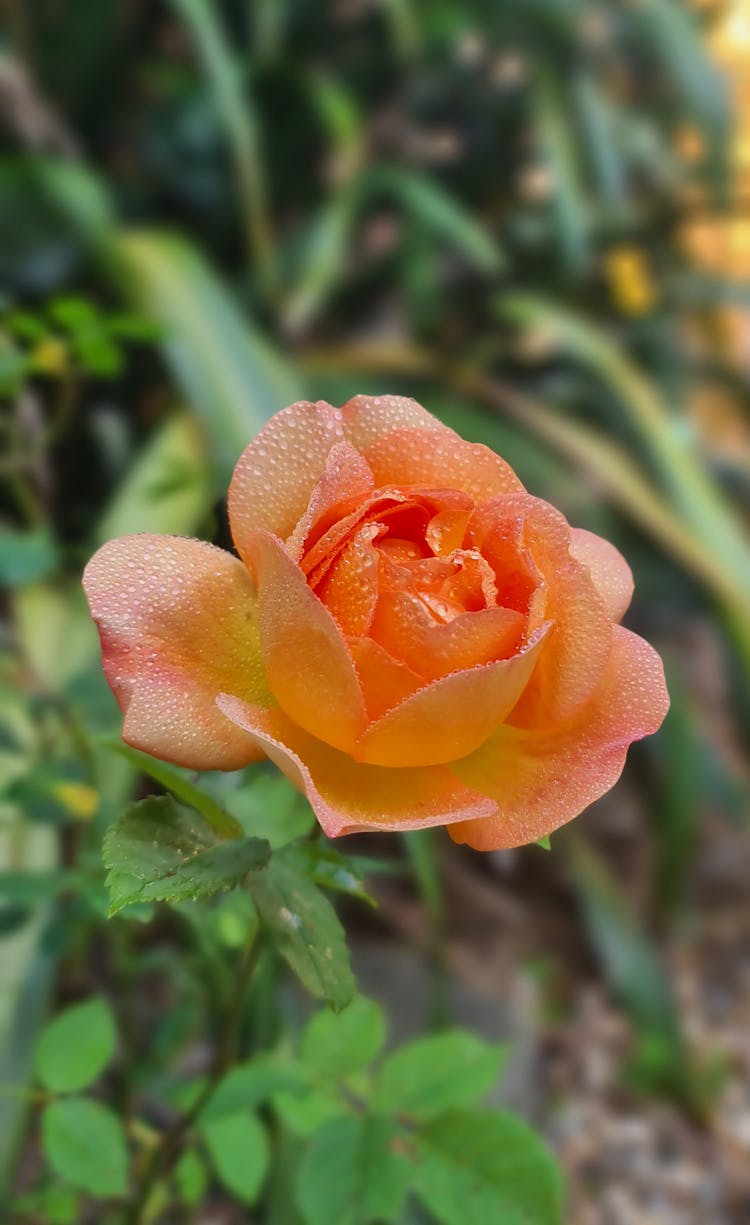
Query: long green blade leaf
(230, 376)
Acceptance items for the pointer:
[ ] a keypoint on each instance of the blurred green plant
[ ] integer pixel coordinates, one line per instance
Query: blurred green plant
(483, 206)
(364, 1136)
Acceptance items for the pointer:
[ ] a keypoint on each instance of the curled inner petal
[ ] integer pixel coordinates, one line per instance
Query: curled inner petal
(308, 665)
(579, 647)
(409, 626)
(276, 474)
(345, 484)
(450, 717)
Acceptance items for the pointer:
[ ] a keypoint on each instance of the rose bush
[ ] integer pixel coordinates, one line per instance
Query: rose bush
(407, 633)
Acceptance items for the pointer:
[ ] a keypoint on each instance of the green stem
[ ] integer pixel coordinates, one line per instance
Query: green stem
(23, 1091)
(167, 1150)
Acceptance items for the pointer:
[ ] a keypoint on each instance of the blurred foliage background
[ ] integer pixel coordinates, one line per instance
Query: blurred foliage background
(532, 215)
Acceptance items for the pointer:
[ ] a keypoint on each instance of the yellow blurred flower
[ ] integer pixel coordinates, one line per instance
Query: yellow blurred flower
(729, 40)
(630, 282)
(80, 799)
(51, 356)
(721, 425)
(720, 245)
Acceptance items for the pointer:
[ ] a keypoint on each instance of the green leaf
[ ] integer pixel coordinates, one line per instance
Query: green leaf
(229, 375)
(353, 1173)
(81, 196)
(14, 366)
(670, 36)
(26, 555)
(630, 963)
(240, 122)
(129, 325)
(303, 1114)
(544, 842)
(624, 482)
(166, 490)
(54, 1205)
(191, 1178)
(73, 312)
(562, 149)
(54, 630)
(480, 1166)
(436, 1073)
(596, 114)
(329, 868)
(421, 849)
(28, 963)
(269, 807)
(85, 1145)
(238, 1148)
(13, 919)
(322, 259)
(235, 919)
(26, 325)
(27, 887)
(440, 213)
(335, 1046)
(306, 931)
(696, 496)
(220, 821)
(75, 1047)
(251, 1084)
(158, 851)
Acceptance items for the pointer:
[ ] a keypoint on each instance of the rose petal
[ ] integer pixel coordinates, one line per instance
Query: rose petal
(368, 417)
(404, 626)
(346, 480)
(452, 716)
(348, 796)
(496, 530)
(349, 589)
(308, 665)
(385, 681)
(579, 646)
(446, 530)
(609, 571)
(543, 778)
(277, 473)
(177, 622)
(441, 458)
(471, 639)
(321, 555)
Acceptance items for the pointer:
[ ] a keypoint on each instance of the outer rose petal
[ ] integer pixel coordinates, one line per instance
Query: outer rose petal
(579, 646)
(442, 459)
(310, 671)
(609, 571)
(277, 472)
(367, 417)
(541, 779)
(177, 622)
(452, 716)
(385, 681)
(347, 796)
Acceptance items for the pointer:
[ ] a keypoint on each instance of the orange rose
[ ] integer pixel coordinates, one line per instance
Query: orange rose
(409, 635)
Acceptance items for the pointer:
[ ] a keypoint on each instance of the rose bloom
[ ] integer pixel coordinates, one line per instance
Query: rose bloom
(407, 633)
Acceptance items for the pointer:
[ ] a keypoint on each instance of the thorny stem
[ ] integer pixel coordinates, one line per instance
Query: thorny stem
(167, 1150)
